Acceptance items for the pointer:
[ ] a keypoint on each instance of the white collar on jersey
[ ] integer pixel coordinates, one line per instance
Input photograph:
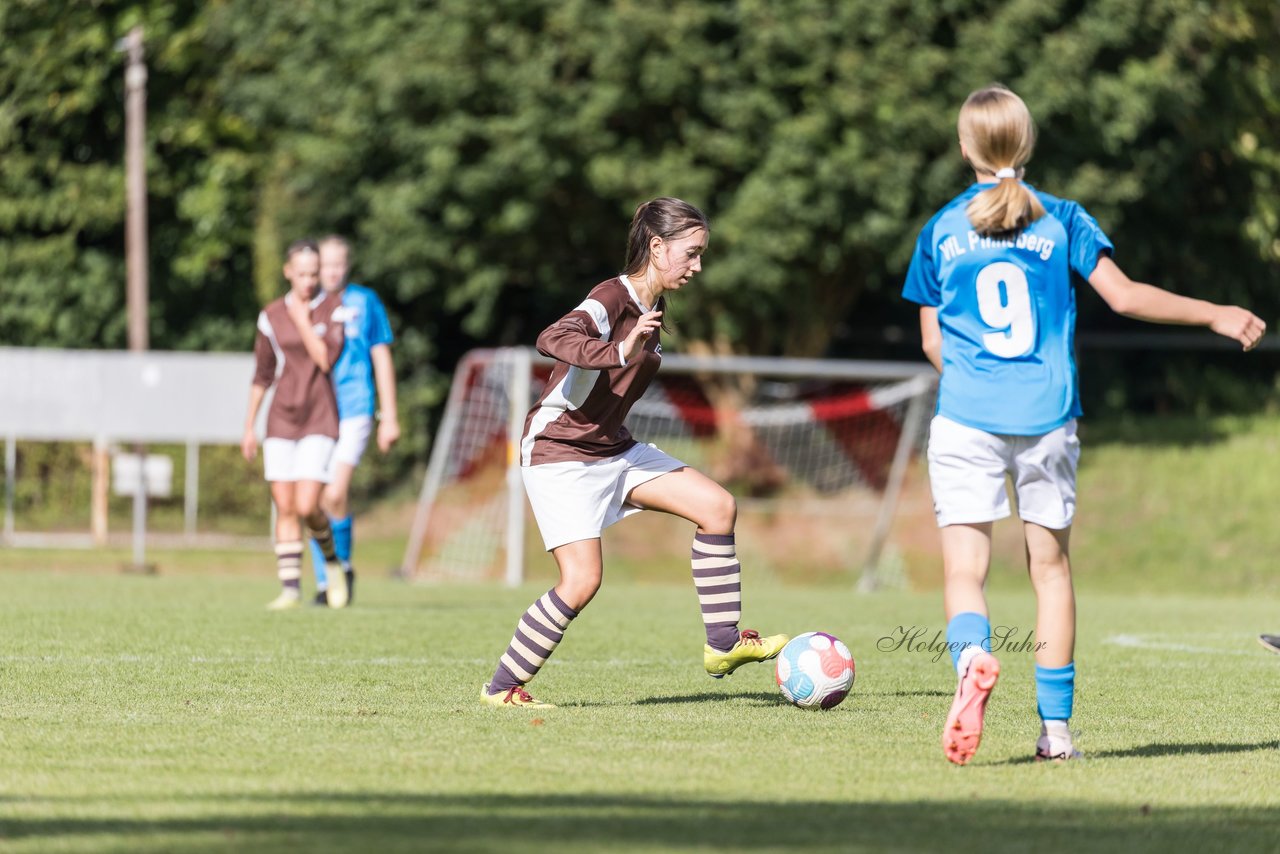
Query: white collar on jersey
(626, 283)
(315, 301)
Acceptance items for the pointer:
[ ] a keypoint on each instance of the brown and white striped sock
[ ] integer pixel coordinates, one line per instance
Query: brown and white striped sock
(718, 578)
(324, 539)
(289, 564)
(538, 633)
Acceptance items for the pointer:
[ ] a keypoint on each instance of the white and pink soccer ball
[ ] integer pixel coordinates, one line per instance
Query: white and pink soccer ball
(815, 670)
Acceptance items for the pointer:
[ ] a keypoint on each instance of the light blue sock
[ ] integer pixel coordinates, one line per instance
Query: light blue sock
(965, 630)
(343, 538)
(317, 563)
(1055, 691)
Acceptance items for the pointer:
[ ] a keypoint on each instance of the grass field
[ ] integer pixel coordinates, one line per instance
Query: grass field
(173, 713)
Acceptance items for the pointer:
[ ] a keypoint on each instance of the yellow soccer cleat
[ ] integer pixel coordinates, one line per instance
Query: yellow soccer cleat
(286, 600)
(516, 696)
(337, 595)
(750, 647)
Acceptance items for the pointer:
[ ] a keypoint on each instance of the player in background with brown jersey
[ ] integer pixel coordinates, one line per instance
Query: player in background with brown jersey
(299, 338)
(583, 471)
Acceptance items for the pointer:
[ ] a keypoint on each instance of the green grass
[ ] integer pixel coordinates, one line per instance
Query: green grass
(174, 714)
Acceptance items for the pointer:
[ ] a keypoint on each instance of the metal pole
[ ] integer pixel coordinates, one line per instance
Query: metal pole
(521, 366)
(191, 490)
(140, 514)
(437, 464)
(99, 502)
(10, 485)
(893, 489)
(135, 170)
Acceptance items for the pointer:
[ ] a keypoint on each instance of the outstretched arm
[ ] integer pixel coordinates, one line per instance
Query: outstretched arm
(1156, 305)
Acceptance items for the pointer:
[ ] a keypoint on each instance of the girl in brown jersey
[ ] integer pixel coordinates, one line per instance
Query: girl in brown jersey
(583, 471)
(299, 339)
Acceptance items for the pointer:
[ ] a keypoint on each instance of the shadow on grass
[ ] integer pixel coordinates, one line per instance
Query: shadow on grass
(1204, 748)
(768, 698)
(758, 698)
(914, 693)
(321, 821)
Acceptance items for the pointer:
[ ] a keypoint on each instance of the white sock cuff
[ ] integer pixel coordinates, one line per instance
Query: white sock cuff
(966, 656)
(1055, 729)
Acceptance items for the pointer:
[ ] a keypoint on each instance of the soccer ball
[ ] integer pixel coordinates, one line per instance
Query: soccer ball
(815, 670)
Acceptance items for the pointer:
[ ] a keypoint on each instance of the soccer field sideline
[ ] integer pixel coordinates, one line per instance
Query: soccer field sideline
(175, 714)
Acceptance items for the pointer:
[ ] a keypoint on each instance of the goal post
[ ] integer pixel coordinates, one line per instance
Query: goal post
(827, 438)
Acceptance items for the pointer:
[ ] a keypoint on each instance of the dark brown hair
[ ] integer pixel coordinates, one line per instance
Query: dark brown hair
(663, 217)
(306, 244)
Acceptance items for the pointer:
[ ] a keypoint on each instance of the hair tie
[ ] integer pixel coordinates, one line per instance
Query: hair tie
(1007, 172)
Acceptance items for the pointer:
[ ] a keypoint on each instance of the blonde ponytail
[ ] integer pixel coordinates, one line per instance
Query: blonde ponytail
(999, 138)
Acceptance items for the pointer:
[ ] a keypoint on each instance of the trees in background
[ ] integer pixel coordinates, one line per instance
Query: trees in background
(486, 157)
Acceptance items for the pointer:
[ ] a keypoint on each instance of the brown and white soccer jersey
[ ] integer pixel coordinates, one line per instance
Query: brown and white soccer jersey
(304, 402)
(579, 463)
(302, 423)
(580, 413)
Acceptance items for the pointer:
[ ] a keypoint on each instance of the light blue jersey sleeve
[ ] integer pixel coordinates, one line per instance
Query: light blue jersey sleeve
(922, 276)
(379, 325)
(1085, 238)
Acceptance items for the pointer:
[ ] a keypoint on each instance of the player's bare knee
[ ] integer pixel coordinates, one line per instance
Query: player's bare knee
(334, 502)
(720, 514)
(580, 590)
(965, 574)
(1049, 570)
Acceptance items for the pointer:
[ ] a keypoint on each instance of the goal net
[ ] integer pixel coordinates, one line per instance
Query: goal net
(815, 451)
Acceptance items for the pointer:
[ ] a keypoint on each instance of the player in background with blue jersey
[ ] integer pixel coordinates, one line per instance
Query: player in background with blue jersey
(993, 275)
(364, 380)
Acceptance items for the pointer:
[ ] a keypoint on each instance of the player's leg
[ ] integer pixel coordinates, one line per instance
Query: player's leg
(321, 533)
(288, 546)
(543, 624)
(1045, 479)
(335, 504)
(315, 456)
(353, 437)
(279, 458)
(1049, 565)
(967, 476)
(333, 494)
(570, 501)
(966, 557)
(717, 575)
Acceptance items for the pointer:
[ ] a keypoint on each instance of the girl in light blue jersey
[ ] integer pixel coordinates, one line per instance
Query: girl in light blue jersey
(993, 275)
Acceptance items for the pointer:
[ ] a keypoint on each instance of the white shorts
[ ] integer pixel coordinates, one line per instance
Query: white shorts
(353, 437)
(297, 459)
(577, 500)
(967, 470)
